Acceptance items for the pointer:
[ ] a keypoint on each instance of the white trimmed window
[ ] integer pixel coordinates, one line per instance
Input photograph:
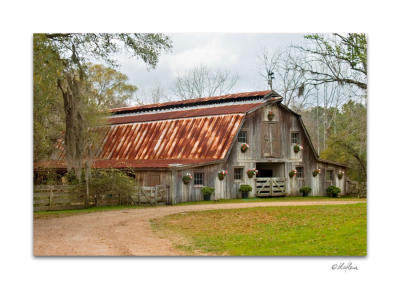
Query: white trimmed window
(295, 138)
(238, 173)
(199, 178)
(242, 136)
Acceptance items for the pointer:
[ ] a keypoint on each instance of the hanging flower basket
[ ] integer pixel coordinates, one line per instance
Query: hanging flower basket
(316, 172)
(244, 147)
(271, 115)
(292, 173)
(340, 175)
(252, 172)
(222, 174)
(297, 148)
(187, 178)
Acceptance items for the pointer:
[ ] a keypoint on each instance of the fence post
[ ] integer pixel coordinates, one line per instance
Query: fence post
(50, 197)
(270, 186)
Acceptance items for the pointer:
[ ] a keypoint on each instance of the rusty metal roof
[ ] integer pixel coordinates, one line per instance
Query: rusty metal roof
(161, 143)
(194, 101)
(186, 135)
(194, 139)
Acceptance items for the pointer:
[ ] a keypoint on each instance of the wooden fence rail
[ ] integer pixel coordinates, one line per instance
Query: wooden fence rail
(62, 197)
(270, 187)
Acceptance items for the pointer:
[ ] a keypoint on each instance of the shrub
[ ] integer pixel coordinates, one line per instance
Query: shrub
(111, 182)
(245, 189)
(207, 192)
(333, 191)
(71, 178)
(305, 191)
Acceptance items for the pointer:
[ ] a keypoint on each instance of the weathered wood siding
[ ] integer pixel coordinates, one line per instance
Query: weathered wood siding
(270, 148)
(191, 192)
(270, 144)
(152, 178)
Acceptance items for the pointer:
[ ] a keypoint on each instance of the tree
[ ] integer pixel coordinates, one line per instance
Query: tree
(48, 120)
(67, 58)
(290, 83)
(339, 58)
(349, 143)
(71, 53)
(109, 87)
(201, 81)
(155, 94)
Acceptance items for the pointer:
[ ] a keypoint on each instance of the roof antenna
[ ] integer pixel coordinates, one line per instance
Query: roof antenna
(270, 78)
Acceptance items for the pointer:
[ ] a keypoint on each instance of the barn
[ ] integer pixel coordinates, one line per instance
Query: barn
(203, 137)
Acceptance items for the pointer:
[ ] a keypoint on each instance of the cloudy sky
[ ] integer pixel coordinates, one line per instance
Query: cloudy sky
(238, 53)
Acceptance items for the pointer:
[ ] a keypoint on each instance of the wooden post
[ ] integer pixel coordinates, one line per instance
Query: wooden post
(270, 186)
(50, 197)
(173, 187)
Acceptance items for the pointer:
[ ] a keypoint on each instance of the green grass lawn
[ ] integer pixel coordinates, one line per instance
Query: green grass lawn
(331, 230)
(273, 199)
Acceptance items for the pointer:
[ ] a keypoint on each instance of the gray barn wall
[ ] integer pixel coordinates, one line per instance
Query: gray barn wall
(282, 160)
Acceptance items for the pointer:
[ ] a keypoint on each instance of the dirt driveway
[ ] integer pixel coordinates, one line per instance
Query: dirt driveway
(124, 232)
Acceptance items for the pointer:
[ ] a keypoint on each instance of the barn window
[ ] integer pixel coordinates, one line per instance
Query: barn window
(329, 175)
(300, 172)
(295, 138)
(242, 136)
(237, 173)
(199, 178)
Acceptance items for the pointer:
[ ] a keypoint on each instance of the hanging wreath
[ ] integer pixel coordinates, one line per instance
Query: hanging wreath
(222, 174)
(297, 148)
(252, 172)
(244, 147)
(292, 173)
(340, 175)
(187, 178)
(316, 172)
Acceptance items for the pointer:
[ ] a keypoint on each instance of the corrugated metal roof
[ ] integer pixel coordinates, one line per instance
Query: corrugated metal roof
(194, 101)
(219, 110)
(192, 139)
(184, 136)
(160, 143)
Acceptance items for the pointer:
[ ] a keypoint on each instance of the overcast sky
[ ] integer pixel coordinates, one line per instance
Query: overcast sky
(233, 51)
